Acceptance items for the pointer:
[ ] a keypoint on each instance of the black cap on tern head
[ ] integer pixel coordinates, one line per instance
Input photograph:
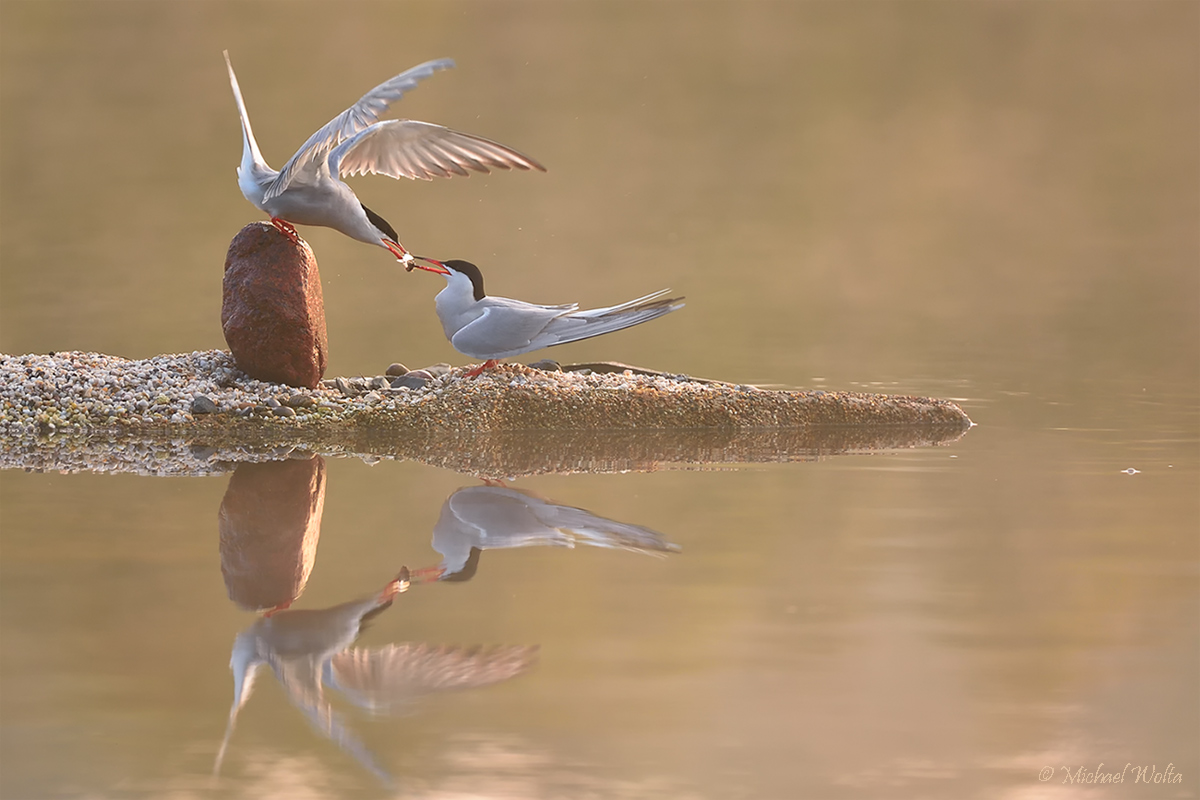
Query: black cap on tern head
(458, 265)
(468, 570)
(471, 271)
(381, 223)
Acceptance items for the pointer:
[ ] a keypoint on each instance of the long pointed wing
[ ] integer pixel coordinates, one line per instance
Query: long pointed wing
(388, 678)
(405, 148)
(301, 679)
(362, 114)
(599, 321)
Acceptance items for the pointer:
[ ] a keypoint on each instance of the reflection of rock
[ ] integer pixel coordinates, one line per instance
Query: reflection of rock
(269, 523)
(308, 650)
(477, 518)
(272, 312)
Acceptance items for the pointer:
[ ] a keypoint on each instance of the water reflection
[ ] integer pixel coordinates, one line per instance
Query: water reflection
(269, 523)
(300, 646)
(477, 518)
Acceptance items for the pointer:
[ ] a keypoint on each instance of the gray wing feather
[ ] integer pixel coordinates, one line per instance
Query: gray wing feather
(405, 148)
(506, 328)
(354, 119)
(598, 531)
(388, 678)
(599, 321)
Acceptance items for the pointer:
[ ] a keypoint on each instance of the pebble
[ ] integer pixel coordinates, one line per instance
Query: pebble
(202, 404)
(395, 370)
(547, 365)
(413, 380)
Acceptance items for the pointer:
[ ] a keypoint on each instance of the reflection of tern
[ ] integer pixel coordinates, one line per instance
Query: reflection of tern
(477, 518)
(309, 191)
(310, 649)
(497, 327)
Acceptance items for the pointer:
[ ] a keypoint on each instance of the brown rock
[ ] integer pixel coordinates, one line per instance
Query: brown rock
(269, 523)
(272, 312)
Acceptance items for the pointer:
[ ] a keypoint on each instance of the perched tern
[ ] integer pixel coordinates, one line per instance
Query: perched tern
(309, 191)
(496, 327)
(477, 518)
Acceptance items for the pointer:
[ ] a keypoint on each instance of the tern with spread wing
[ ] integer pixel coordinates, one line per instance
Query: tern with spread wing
(309, 190)
(310, 650)
(496, 327)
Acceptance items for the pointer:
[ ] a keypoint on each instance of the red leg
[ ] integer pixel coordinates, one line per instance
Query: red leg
(281, 607)
(286, 229)
(491, 362)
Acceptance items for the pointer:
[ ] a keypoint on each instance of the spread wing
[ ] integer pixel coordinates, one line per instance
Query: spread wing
(361, 115)
(388, 678)
(405, 148)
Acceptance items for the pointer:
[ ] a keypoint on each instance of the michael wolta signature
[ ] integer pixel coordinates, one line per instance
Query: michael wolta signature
(1135, 774)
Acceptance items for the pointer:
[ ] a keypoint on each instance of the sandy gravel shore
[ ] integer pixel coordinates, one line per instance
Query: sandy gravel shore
(77, 402)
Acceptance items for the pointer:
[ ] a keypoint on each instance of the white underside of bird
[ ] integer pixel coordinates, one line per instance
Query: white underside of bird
(487, 327)
(309, 190)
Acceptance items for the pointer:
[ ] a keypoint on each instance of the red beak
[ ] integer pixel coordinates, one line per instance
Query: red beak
(438, 267)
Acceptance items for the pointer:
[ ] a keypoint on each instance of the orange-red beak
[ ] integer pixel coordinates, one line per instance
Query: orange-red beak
(437, 267)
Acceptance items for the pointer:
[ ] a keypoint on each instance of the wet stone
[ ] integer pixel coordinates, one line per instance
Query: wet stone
(202, 452)
(437, 370)
(202, 404)
(413, 380)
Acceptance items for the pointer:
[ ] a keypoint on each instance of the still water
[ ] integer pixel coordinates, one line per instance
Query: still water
(995, 203)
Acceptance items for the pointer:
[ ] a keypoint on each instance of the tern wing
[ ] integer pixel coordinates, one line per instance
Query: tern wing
(388, 678)
(500, 518)
(597, 531)
(405, 148)
(362, 114)
(506, 328)
(598, 321)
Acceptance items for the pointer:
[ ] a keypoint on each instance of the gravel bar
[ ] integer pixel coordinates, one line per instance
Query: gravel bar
(203, 400)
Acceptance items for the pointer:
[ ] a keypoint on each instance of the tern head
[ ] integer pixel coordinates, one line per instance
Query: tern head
(454, 268)
(388, 237)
